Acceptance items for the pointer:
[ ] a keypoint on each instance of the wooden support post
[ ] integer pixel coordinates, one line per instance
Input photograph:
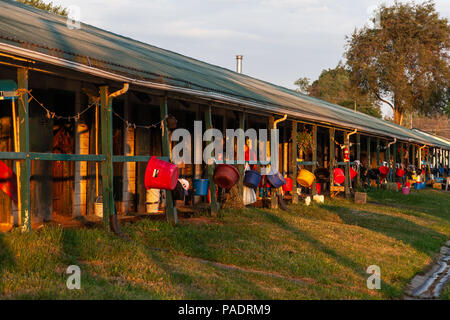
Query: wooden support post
(107, 150)
(413, 157)
(241, 167)
(314, 156)
(369, 153)
(210, 168)
(394, 162)
(294, 161)
(347, 167)
(358, 157)
(273, 191)
(171, 210)
(387, 158)
(24, 146)
(332, 156)
(378, 152)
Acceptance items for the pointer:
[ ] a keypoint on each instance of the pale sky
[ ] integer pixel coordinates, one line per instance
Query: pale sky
(281, 40)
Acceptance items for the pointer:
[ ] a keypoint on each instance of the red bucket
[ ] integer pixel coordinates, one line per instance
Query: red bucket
(226, 176)
(289, 186)
(161, 175)
(400, 173)
(339, 176)
(353, 173)
(8, 181)
(384, 171)
(318, 188)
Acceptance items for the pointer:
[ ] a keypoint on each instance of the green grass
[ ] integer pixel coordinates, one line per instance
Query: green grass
(316, 252)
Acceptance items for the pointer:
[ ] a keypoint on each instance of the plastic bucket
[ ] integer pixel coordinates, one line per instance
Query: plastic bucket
(322, 174)
(384, 171)
(289, 186)
(305, 178)
(201, 187)
(353, 173)
(318, 188)
(339, 176)
(252, 178)
(8, 181)
(161, 175)
(226, 176)
(276, 180)
(152, 197)
(400, 173)
(405, 190)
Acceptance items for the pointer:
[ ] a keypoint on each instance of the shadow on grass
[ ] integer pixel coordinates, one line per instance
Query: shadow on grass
(356, 267)
(7, 260)
(419, 237)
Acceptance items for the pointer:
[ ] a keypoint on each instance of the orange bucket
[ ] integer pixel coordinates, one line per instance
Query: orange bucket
(161, 174)
(305, 178)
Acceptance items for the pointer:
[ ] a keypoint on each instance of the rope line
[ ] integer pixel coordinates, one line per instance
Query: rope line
(52, 115)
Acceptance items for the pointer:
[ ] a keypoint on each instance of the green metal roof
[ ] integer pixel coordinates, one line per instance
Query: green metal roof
(33, 29)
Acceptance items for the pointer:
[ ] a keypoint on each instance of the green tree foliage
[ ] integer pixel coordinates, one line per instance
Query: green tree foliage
(50, 7)
(334, 86)
(302, 85)
(403, 59)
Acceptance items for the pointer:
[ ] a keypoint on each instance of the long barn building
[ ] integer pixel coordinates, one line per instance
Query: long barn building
(80, 138)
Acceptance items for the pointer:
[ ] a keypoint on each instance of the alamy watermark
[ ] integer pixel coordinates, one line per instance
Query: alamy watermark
(374, 280)
(73, 17)
(74, 279)
(235, 147)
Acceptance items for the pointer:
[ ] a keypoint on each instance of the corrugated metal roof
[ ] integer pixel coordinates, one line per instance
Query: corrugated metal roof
(42, 32)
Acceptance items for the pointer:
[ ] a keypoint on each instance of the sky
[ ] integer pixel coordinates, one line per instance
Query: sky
(281, 40)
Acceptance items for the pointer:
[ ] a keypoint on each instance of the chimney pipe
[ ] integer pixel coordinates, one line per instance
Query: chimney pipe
(239, 63)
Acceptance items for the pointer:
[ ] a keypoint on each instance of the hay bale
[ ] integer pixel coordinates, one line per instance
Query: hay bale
(233, 199)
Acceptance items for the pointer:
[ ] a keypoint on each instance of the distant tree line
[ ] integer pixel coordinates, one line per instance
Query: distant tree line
(401, 59)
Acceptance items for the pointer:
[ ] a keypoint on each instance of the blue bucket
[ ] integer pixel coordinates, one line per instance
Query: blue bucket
(252, 178)
(276, 180)
(417, 185)
(200, 187)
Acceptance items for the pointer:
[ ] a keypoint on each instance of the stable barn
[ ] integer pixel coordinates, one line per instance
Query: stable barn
(91, 108)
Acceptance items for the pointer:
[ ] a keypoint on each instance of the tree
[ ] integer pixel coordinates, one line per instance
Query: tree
(50, 7)
(403, 59)
(334, 86)
(302, 85)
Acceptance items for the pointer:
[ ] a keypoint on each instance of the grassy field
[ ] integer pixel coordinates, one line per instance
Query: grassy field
(316, 252)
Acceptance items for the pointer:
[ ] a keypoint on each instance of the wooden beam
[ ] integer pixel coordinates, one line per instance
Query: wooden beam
(241, 167)
(215, 208)
(314, 156)
(107, 151)
(294, 161)
(347, 167)
(24, 146)
(378, 152)
(332, 155)
(358, 157)
(273, 191)
(171, 210)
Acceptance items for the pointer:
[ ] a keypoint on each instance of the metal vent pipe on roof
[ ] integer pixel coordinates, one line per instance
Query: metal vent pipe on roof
(239, 63)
